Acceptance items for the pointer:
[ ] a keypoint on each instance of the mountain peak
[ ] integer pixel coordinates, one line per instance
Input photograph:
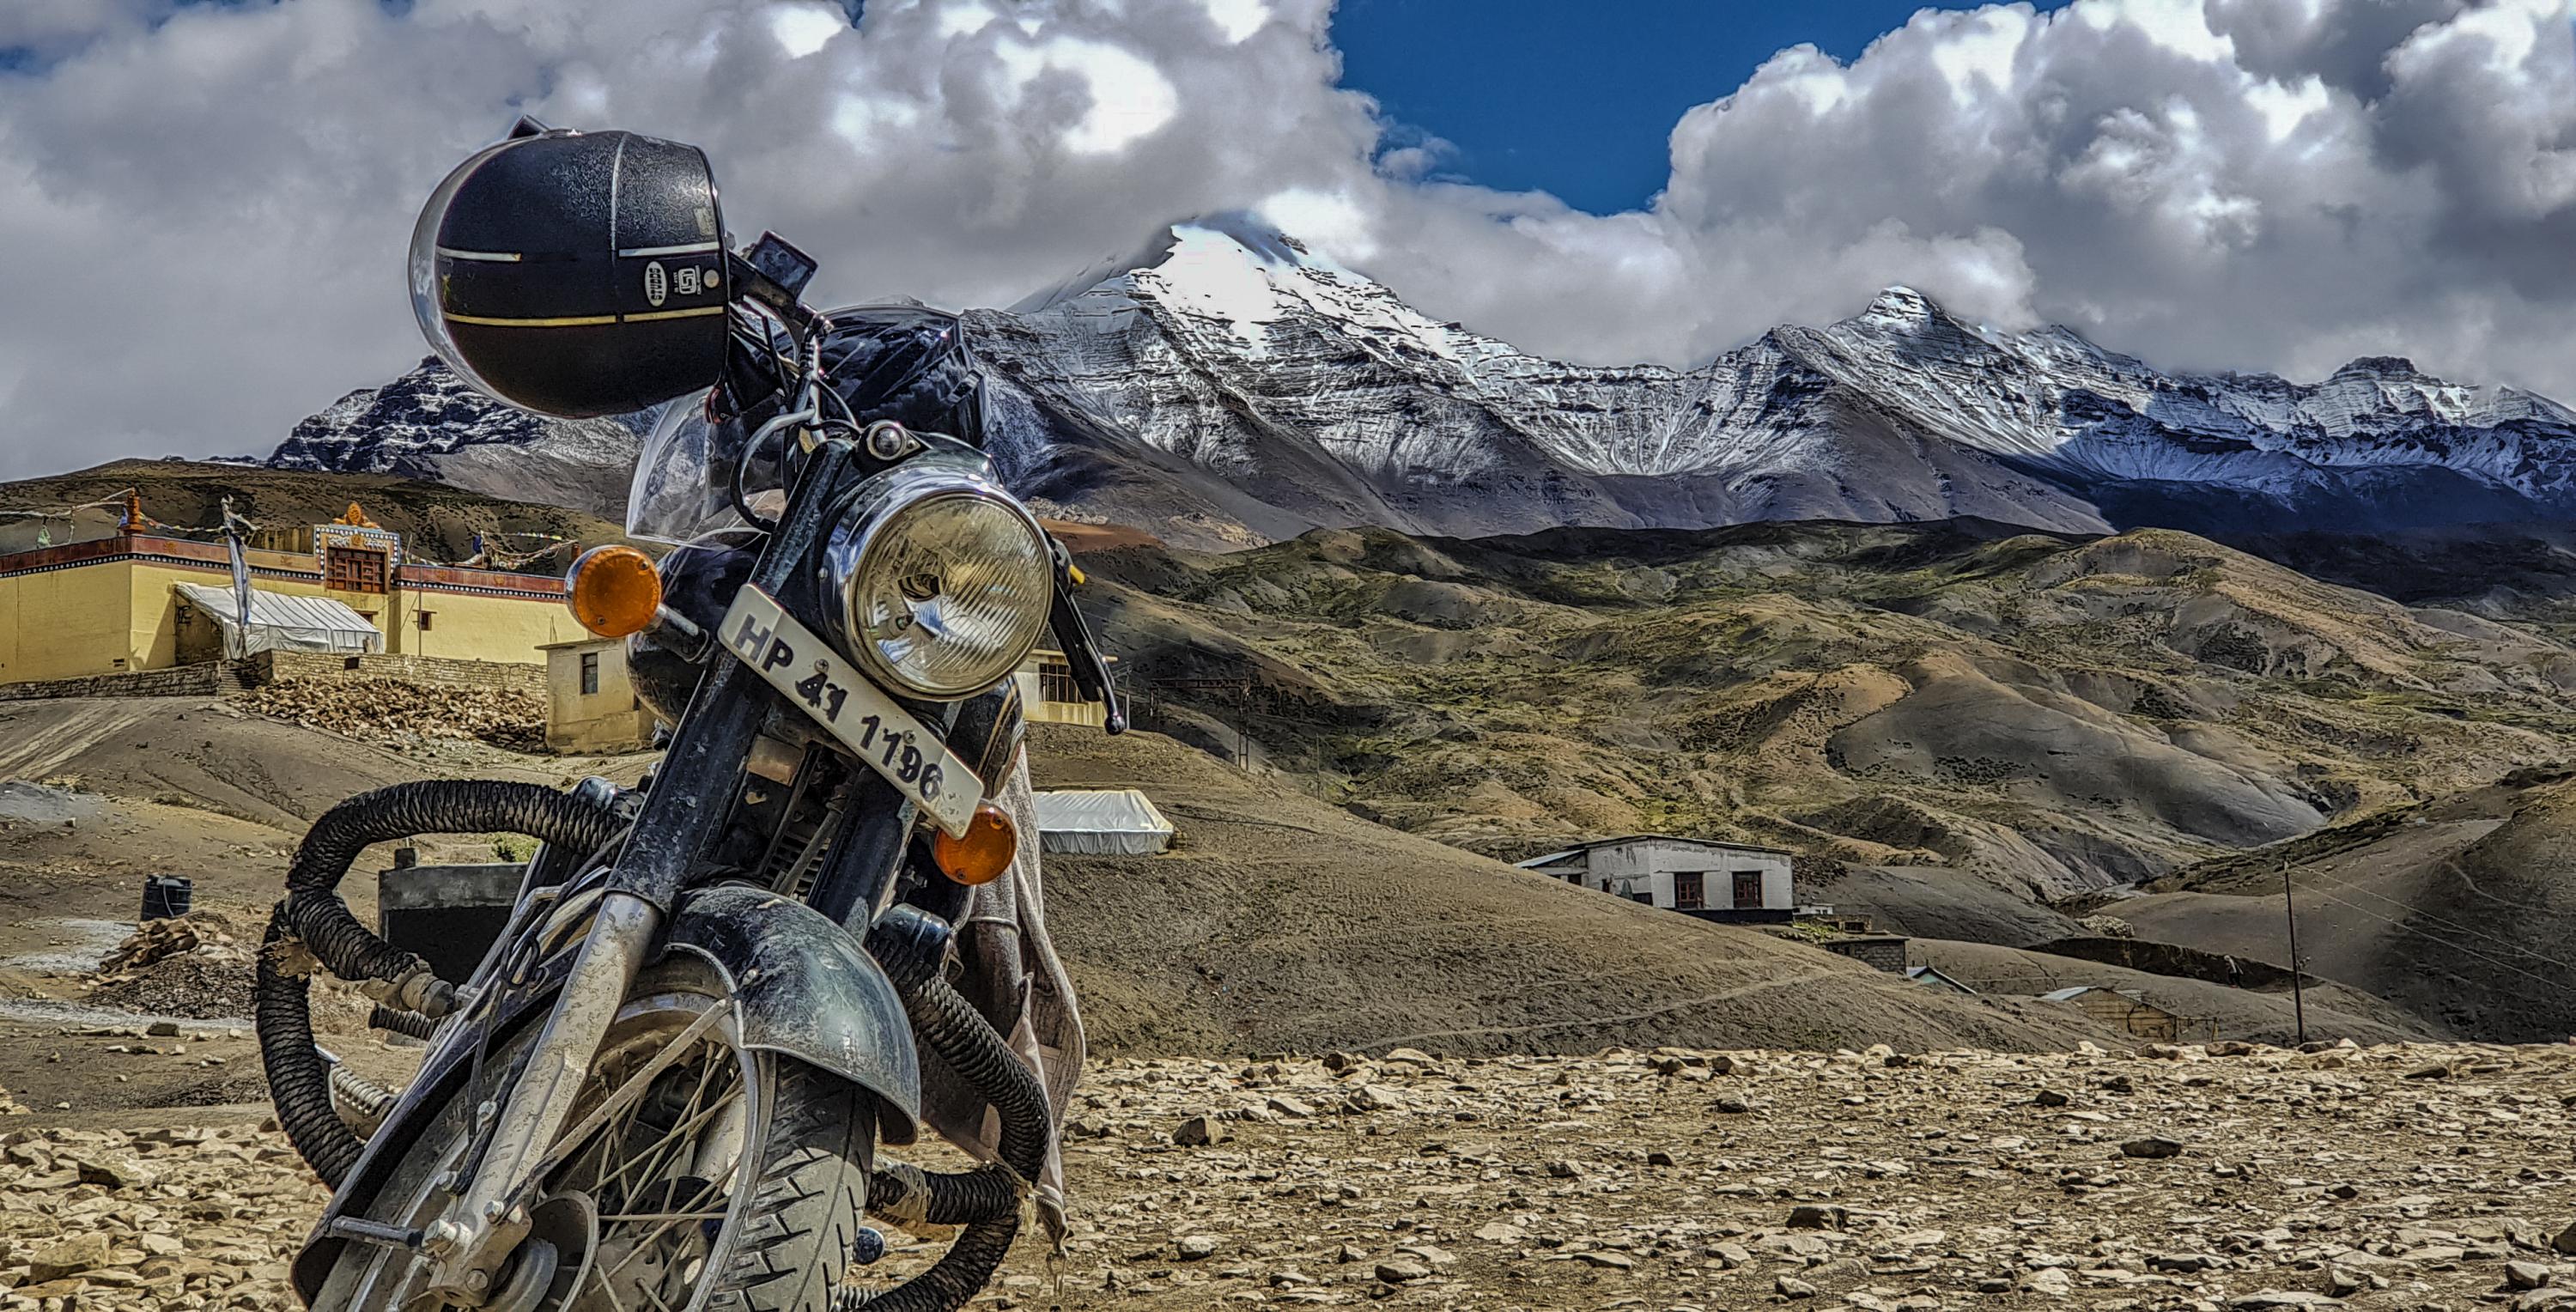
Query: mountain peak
(1231, 241)
(2385, 366)
(1900, 305)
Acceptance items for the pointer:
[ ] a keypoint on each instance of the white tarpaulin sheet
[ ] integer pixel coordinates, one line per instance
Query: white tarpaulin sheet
(282, 623)
(1101, 822)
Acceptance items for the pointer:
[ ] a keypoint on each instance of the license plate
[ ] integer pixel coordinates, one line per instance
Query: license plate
(881, 733)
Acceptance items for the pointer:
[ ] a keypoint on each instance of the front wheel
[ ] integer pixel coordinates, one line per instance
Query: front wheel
(736, 1182)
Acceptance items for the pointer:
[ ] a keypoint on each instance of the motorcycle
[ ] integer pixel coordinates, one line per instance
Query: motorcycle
(721, 991)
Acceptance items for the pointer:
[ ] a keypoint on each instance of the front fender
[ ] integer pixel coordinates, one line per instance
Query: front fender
(807, 990)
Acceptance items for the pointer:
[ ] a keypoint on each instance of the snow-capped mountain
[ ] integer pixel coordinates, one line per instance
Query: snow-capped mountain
(431, 424)
(1318, 393)
(1226, 385)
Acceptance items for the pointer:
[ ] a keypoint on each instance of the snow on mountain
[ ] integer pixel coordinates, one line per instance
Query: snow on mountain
(1253, 362)
(1237, 353)
(1226, 385)
(431, 424)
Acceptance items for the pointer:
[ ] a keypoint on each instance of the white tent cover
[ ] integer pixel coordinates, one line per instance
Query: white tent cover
(1101, 822)
(282, 623)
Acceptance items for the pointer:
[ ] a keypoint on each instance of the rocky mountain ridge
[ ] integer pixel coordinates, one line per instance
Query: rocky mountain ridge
(1227, 386)
(431, 424)
(1247, 356)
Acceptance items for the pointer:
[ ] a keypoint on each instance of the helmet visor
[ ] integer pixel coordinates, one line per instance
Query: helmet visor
(423, 267)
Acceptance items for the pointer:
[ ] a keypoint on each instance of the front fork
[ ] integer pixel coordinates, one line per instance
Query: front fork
(488, 1221)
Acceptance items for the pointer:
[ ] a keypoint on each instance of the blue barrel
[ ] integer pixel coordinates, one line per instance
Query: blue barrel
(165, 897)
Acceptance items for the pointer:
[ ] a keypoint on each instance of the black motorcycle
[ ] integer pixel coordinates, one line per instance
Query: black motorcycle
(718, 992)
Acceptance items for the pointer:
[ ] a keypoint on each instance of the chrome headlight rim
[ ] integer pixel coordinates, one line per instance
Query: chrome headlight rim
(864, 533)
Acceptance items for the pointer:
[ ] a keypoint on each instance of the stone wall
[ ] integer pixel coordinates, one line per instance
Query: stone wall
(2173, 959)
(204, 680)
(268, 666)
(1879, 951)
(215, 678)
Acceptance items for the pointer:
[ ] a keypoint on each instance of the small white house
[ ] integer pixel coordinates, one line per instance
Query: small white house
(1048, 694)
(1718, 881)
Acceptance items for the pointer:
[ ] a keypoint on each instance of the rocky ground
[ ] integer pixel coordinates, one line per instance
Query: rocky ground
(2402, 1177)
(2396, 1177)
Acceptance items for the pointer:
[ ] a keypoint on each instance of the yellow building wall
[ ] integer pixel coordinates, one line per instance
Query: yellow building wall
(112, 616)
(466, 627)
(67, 623)
(610, 720)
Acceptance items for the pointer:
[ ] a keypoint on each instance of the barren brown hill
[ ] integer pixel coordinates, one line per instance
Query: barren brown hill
(2460, 909)
(1280, 923)
(437, 521)
(2043, 714)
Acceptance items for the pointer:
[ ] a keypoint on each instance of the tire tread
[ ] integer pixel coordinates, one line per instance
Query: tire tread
(793, 1242)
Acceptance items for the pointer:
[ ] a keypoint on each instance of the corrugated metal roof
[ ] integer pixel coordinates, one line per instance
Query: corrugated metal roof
(1925, 974)
(1590, 844)
(1550, 859)
(2068, 995)
(280, 611)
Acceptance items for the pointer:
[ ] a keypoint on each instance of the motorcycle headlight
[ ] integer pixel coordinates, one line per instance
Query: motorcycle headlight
(944, 580)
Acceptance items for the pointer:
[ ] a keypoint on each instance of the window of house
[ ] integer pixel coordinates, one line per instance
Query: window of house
(425, 616)
(1748, 889)
(1055, 682)
(1690, 888)
(353, 569)
(589, 673)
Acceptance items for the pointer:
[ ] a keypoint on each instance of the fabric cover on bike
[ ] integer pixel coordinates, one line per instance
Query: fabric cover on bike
(1012, 975)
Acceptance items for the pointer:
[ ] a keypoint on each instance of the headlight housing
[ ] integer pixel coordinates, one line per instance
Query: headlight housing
(943, 579)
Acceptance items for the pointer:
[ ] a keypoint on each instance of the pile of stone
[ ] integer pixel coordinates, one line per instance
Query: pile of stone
(2228, 1178)
(179, 967)
(157, 940)
(378, 708)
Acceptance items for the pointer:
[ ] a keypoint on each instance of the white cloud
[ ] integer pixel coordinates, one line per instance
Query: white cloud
(205, 206)
(1129, 98)
(1238, 19)
(805, 27)
(1329, 221)
(2284, 108)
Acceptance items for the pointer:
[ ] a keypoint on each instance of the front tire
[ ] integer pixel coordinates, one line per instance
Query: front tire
(736, 1181)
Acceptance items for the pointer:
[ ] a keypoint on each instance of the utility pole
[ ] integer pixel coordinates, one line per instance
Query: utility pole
(2298, 995)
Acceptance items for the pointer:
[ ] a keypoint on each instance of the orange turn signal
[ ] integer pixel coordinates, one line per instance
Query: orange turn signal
(613, 590)
(984, 853)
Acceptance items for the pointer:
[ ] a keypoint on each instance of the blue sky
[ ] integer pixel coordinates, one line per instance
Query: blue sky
(1547, 95)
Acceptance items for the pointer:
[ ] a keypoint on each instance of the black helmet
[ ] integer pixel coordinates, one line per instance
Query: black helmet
(575, 274)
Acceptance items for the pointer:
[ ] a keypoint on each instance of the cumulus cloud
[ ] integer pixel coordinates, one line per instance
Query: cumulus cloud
(205, 206)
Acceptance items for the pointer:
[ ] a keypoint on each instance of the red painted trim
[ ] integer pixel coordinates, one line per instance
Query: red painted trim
(270, 564)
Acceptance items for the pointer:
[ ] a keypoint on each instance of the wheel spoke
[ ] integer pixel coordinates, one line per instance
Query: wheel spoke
(655, 1236)
(667, 1150)
(655, 1155)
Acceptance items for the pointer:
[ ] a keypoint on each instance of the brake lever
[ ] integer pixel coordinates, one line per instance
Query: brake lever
(1081, 656)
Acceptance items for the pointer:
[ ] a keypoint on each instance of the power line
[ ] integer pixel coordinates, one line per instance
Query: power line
(2456, 946)
(2417, 913)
